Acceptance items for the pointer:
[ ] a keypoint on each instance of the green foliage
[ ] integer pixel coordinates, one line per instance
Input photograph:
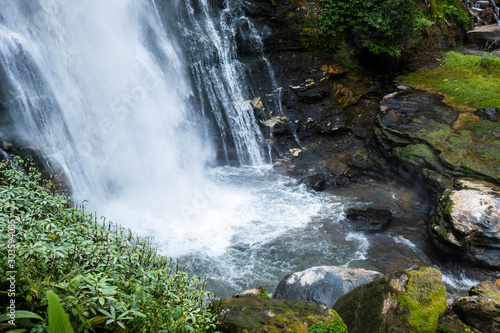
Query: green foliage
(466, 80)
(336, 326)
(448, 11)
(382, 26)
(58, 321)
(106, 279)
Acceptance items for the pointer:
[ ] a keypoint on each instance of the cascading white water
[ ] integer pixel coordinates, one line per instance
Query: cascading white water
(93, 90)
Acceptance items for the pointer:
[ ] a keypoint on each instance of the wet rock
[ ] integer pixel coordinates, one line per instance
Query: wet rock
(488, 35)
(314, 182)
(323, 284)
(371, 219)
(490, 114)
(420, 139)
(466, 222)
(252, 292)
(409, 301)
(259, 315)
(482, 308)
(450, 322)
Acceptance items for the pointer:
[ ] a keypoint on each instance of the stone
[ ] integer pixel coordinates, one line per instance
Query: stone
(259, 315)
(252, 292)
(315, 182)
(466, 222)
(490, 114)
(408, 301)
(481, 309)
(322, 284)
(487, 35)
(371, 219)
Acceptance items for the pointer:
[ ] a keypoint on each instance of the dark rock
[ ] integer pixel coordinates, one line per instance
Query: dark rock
(488, 35)
(466, 223)
(314, 182)
(482, 309)
(450, 322)
(490, 114)
(383, 305)
(323, 285)
(371, 219)
(420, 139)
(259, 315)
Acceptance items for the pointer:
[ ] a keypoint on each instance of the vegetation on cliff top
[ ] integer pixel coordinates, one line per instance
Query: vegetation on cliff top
(465, 80)
(105, 279)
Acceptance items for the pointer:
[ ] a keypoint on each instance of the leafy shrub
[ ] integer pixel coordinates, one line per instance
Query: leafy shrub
(336, 326)
(382, 26)
(106, 279)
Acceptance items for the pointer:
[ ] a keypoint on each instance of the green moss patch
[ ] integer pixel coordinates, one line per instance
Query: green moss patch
(465, 80)
(253, 314)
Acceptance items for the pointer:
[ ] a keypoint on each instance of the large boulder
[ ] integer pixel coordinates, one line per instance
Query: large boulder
(260, 314)
(409, 301)
(487, 35)
(323, 284)
(315, 182)
(423, 140)
(482, 308)
(466, 222)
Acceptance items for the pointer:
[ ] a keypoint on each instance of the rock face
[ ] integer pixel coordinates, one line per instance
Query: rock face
(259, 315)
(323, 284)
(466, 222)
(410, 301)
(488, 35)
(371, 219)
(482, 308)
(314, 182)
(421, 139)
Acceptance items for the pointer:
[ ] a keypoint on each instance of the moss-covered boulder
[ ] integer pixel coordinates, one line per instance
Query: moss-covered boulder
(260, 314)
(465, 222)
(421, 138)
(482, 308)
(409, 301)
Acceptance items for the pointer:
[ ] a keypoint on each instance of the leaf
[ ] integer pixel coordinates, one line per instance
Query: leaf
(105, 312)
(58, 321)
(96, 321)
(21, 314)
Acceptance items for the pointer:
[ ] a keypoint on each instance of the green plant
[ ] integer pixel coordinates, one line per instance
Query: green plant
(106, 279)
(336, 326)
(382, 26)
(58, 321)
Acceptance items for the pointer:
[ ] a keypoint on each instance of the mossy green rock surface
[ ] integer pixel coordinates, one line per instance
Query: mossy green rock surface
(422, 137)
(255, 314)
(409, 301)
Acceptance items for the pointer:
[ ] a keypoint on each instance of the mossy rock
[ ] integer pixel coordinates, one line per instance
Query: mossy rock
(434, 140)
(409, 301)
(258, 315)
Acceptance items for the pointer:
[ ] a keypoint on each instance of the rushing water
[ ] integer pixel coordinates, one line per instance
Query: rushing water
(128, 97)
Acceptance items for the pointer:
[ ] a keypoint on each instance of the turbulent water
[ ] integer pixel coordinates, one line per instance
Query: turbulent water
(130, 99)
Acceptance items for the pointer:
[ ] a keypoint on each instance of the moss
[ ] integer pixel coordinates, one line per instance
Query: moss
(417, 155)
(425, 299)
(254, 314)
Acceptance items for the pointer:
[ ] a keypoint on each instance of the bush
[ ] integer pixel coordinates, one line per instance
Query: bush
(106, 279)
(382, 26)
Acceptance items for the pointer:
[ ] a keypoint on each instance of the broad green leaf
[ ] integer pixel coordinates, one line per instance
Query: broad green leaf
(21, 314)
(58, 321)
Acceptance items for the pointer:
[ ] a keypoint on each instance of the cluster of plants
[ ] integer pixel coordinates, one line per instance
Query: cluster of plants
(382, 26)
(466, 80)
(106, 280)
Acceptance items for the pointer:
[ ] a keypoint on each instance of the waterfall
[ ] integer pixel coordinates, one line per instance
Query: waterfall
(101, 89)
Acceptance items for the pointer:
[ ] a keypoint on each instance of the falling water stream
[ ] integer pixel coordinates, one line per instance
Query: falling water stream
(129, 98)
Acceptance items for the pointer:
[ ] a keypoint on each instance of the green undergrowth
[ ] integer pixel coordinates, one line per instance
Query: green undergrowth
(465, 80)
(106, 279)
